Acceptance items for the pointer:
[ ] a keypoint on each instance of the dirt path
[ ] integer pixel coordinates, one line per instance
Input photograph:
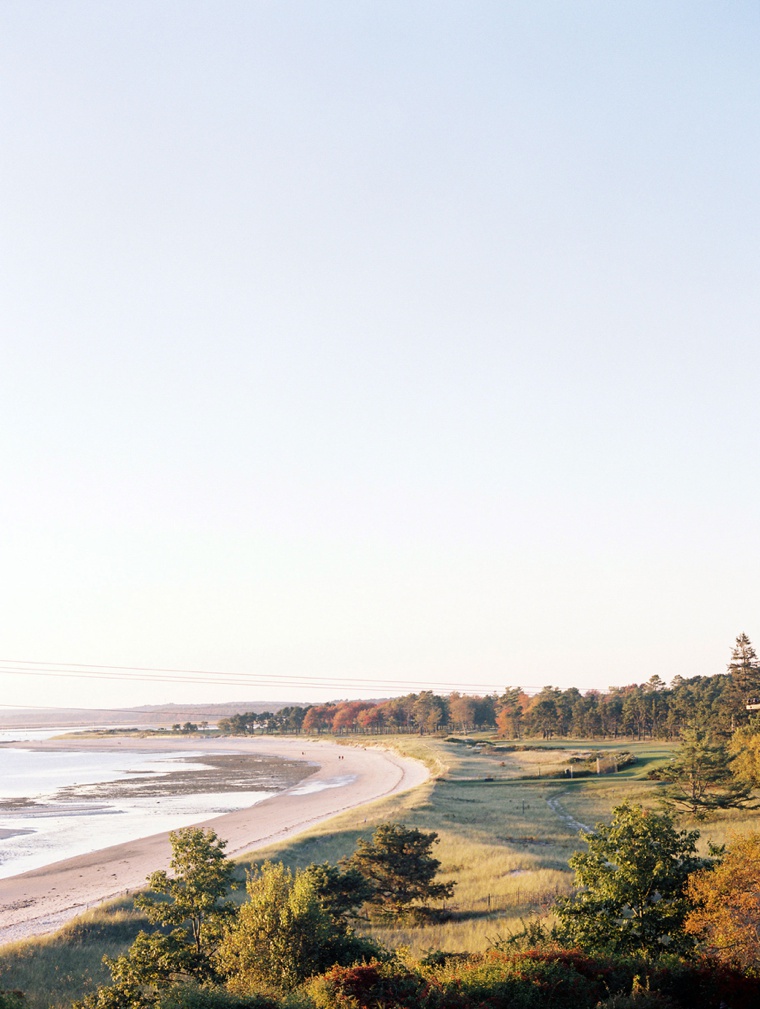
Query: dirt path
(556, 807)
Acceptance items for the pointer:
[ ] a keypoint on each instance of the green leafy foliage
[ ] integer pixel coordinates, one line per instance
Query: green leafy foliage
(11, 1000)
(193, 900)
(744, 670)
(644, 710)
(284, 934)
(400, 869)
(197, 890)
(522, 981)
(744, 749)
(701, 776)
(194, 996)
(631, 879)
(341, 892)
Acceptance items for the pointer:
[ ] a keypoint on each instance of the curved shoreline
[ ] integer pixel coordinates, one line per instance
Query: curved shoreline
(41, 900)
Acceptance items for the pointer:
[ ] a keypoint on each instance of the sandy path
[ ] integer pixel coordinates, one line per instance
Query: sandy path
(575, 825)
(41, 900)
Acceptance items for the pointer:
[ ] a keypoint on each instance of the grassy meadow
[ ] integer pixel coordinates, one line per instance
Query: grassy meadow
(508, 820)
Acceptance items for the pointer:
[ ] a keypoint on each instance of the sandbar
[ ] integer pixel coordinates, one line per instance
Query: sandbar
(343, 778)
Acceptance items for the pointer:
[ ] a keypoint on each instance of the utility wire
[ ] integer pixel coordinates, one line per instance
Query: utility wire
(157, 674)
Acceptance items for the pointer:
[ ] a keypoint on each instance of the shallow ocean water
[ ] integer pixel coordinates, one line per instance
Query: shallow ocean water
(47, 812)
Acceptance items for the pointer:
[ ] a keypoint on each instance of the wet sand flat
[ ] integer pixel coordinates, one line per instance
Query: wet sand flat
(43, 899)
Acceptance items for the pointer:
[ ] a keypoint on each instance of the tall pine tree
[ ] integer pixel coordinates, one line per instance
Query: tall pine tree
(744, 670)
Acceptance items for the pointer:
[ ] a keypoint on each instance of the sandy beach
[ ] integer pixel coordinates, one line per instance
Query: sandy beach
(41, 900)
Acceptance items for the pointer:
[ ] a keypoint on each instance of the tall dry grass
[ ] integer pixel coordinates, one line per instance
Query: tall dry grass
(56, 969)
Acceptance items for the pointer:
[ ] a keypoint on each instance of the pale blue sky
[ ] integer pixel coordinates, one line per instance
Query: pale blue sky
(387, 340)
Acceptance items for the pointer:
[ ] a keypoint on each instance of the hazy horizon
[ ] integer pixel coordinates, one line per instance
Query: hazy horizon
(377, 343)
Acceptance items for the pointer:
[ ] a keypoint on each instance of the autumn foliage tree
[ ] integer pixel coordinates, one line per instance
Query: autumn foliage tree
(510, 711)
(727, 913)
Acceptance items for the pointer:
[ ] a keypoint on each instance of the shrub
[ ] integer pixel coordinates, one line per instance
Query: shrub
(636, 1000)
(192, 996)
(368, 986)
(532, 980)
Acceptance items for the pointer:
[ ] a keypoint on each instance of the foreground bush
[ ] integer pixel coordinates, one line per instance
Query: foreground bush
(192, 996)
(560, 979)
(368, 986)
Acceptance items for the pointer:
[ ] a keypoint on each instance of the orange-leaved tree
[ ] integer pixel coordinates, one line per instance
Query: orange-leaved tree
(727, 912)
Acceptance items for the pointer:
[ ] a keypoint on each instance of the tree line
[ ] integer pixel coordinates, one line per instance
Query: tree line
(649, 710)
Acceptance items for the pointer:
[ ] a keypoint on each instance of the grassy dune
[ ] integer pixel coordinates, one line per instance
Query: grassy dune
(55, 969)
(506, 841)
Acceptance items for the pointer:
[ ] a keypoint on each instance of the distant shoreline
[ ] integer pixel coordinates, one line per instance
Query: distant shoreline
(40, 901)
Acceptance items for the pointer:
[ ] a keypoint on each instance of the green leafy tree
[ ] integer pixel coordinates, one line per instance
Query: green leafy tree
(632, 877)
(197, 891)
(194, 901)
(400, 869)
(701, 776)
(341, 892)
(154, 962)
(745, 752)
(284, 935)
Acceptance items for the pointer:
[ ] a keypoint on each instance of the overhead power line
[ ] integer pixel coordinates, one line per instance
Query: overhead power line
(158, 674)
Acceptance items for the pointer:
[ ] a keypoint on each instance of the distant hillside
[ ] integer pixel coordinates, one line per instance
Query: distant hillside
(148, 714)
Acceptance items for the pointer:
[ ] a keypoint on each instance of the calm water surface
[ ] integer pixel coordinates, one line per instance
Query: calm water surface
(46, 813)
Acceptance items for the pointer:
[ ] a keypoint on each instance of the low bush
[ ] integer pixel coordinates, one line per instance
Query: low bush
(536, 979)
(533, 980)
(369, 986)
(193, 996)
